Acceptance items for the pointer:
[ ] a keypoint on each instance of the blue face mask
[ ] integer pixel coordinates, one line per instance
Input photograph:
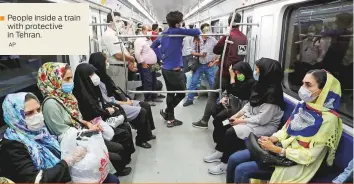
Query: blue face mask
(255, 75)
(67, 87)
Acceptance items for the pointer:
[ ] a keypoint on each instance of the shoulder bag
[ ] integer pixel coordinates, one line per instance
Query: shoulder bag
(265, 158)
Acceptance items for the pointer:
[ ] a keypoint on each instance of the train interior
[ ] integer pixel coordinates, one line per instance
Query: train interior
(284, 30)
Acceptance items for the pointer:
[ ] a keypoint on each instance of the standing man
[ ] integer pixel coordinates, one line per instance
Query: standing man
(203, 50)
(112, 48)
(232, 56)
(155, 31)
(172, 67)
(187, 51)
(146, 57)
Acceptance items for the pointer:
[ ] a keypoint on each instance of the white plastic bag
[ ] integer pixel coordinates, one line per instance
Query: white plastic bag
(107, 131)
(115, 121)
(94, 167)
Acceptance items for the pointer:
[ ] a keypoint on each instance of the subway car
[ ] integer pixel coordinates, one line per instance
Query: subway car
(301, 35)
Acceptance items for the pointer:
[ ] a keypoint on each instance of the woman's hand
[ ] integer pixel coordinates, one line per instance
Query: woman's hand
(223, 100)
(91, 126)
(129, 102)
(110, 110)
(268, 145)
(237, 121)
(232, 73)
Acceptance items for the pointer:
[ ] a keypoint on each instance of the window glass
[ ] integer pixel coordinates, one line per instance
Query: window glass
(321, 37)
(19, 73)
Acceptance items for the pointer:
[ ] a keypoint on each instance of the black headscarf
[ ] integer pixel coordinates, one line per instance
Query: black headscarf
(242, 89)
(89, 97)
(98, 60)
(268, 88)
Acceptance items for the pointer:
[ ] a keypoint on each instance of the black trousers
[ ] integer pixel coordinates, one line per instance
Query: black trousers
(175, 81)
(212, 98)
(123, 135)
(116, 155)
(141, 124)
(225, 136)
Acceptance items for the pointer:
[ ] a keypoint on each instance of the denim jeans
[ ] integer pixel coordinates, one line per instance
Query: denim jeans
(111, 179)
(148, 79)
(210, 75)
(241, 168)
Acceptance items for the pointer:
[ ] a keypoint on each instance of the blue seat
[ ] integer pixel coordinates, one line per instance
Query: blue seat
(343, 156)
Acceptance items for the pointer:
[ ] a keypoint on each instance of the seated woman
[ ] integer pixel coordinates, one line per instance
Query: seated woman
(61, 111)
(311, 133)
(29, 153)
(115, 95)
(261, 115)
(242, 73)
(92, 104)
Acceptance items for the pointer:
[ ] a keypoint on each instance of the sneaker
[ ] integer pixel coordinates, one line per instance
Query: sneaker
(200, 124)
(188, 103)
(161, 96)
(218, 169)
(157, 100)
(176, 122)
(151, 103)
(163, 114)
(215, 157)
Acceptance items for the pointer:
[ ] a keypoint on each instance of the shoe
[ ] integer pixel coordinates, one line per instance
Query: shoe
(200, 124)
(125, 172)
(152, 137)
(157, 100)
(215, 157)
(163, 114)
(144, 145)
(161, 96)
(174, 123)
(188, 103)
(218, 169)
(150, 103)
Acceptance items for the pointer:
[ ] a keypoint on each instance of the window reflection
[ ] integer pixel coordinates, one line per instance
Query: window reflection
(321, 37)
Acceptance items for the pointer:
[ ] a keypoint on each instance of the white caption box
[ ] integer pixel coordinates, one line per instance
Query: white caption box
(44, 28)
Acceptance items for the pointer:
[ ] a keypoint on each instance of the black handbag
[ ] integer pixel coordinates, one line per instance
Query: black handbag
(193, 63)
(236, 104)
(266, 158)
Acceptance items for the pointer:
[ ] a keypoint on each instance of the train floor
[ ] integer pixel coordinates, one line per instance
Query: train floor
(177, 153)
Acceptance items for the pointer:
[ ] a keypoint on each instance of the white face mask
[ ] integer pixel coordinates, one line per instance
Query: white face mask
(149, 33)
(95, 80)
(306, 95)
(107, 65)
(35, 122)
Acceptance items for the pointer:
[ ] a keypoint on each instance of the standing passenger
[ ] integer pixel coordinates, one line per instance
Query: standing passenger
(233, 56)
(146, 57)
(112, 48)
(187, 51)
(203, 49)
(171, 49)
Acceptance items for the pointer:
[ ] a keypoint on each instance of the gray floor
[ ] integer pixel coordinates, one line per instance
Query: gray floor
(177, 153)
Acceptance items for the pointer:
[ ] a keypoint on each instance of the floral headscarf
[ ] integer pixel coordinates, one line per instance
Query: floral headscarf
(49, 81)
(40, 144)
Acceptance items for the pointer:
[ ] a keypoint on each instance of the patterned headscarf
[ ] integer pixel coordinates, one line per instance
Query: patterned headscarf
(319, 120)
(40, 144)
(49, 81)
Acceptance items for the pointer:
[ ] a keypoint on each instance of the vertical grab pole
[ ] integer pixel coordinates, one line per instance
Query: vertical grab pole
(223, 53)
(123, 53)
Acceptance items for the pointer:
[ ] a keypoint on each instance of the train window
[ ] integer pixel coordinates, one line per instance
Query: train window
(320, 37)
(19, 73)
